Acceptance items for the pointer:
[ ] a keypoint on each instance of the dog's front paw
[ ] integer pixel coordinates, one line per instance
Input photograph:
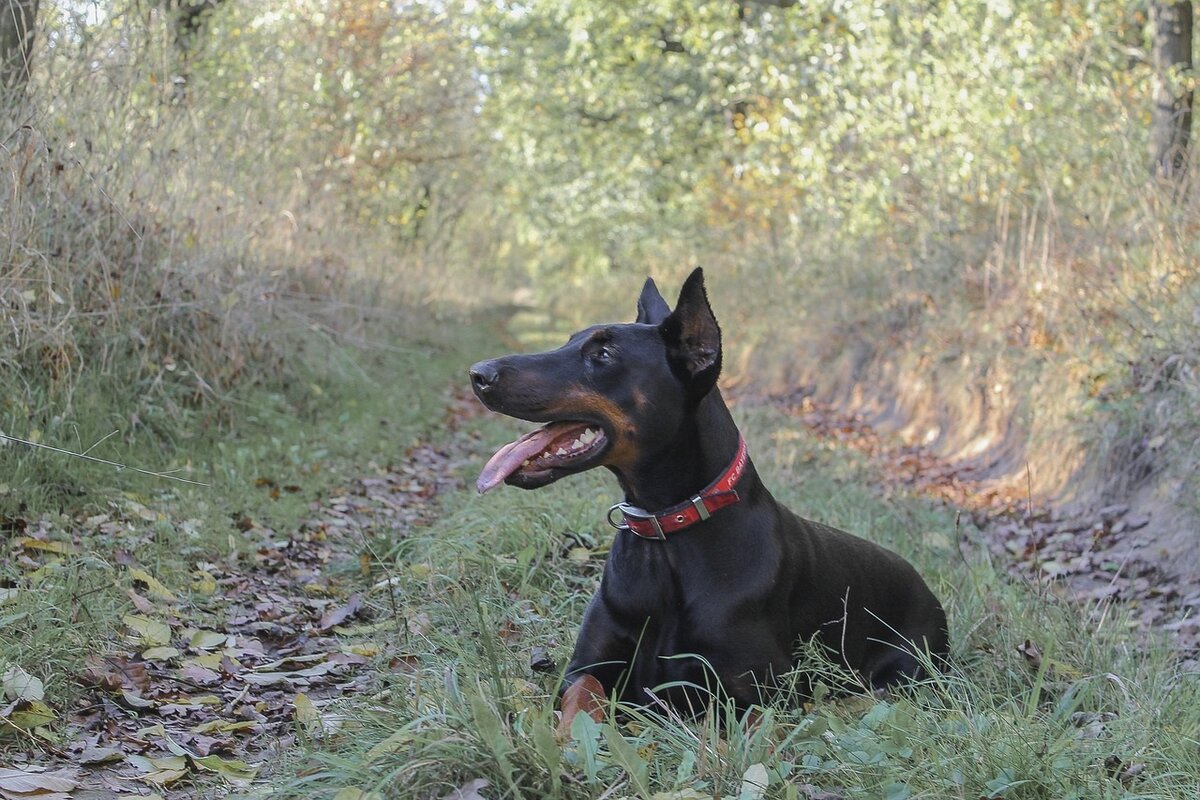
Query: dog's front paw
(586, 695)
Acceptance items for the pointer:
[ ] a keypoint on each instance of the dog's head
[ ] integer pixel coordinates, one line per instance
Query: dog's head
(611, 395)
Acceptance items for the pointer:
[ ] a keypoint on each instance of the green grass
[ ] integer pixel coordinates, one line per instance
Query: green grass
(496, 576)
(1093, 713)
(350, 408)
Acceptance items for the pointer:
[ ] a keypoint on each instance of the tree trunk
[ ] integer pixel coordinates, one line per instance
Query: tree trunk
(188, 18)
(1171, 116)
(16, 43)
(17, 19)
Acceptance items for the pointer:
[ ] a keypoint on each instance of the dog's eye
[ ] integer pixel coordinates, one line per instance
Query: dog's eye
(602, 354)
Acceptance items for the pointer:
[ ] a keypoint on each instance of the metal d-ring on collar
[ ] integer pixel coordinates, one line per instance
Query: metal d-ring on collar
(628, 510)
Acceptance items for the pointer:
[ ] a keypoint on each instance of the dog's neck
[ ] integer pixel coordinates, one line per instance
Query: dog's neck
(702, 449)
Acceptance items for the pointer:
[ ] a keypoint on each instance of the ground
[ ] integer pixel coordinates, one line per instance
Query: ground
(1093, 556)
(234, 668)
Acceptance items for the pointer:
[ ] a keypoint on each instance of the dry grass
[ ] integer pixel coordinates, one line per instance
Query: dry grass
(1052, 346)
(1054, 343)
(163, 258)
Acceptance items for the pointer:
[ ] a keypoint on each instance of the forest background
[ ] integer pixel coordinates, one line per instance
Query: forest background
(234, 233)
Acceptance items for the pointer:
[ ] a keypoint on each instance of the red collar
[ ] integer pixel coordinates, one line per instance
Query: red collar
(720, 493)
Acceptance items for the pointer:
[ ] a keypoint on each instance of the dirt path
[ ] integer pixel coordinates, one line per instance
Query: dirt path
(207, 688)
(1094, 556)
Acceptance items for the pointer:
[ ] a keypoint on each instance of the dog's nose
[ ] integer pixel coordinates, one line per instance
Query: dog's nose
(484, 376)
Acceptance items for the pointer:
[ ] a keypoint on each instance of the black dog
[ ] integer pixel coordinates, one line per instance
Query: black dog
(718, 569)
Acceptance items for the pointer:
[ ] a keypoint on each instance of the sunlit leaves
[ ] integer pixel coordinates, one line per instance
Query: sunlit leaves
(22, 706)
(150, 632)
(619, 121)
(372, 105)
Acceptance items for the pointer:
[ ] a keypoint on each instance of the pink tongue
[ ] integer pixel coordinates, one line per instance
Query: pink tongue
(508, 459)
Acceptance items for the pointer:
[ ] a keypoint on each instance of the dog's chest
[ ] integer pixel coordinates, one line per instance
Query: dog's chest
(640, 582)
(665, 593)
(660, 602)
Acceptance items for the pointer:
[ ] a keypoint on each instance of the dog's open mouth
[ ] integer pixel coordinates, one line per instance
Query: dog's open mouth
(543, 455)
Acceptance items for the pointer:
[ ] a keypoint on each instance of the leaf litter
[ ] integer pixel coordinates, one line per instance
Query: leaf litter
(214, 684)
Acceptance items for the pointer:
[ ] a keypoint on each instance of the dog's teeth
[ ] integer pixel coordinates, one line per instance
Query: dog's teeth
(562, 451)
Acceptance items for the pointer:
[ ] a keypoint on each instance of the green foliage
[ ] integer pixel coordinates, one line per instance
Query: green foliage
(373, 104)
(179, 234)
(956, 163)
(620, 124)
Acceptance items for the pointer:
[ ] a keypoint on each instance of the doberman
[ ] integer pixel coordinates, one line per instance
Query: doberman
(720, 579)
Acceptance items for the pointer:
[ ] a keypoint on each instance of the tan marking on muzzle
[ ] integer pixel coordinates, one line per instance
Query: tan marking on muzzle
(624, 450)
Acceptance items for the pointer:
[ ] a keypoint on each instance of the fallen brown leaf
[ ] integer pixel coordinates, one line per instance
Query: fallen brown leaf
(35, 782)
(1033, 655)
(469, 790)
(336, 616)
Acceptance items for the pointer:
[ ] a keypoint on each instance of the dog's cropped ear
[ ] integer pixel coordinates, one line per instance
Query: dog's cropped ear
(651, 307)
(693, 337)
